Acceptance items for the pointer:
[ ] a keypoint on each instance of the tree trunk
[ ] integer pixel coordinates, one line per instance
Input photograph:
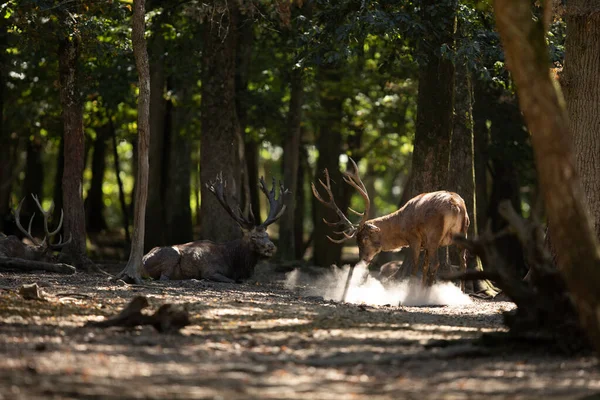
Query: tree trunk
(58, 176)
(220, 151)
(33, 182)
(581, 84)
(155, 215)
(329, 145)
(540, 100)
(94, 203)
(242, 71)
(462, 165)
(431, 154)
(133, 269)
(178, 185)
(251, 153)
(74, 152)
(291, 155)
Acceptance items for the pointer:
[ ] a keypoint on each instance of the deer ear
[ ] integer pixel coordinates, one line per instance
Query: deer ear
(373, 228)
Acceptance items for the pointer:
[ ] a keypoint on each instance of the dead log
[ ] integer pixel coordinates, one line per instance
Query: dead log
(169, 318)
(18, 264)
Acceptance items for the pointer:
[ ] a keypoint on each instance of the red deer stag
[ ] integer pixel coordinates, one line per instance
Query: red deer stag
(427, 221)
(12, 247)
(232, 261)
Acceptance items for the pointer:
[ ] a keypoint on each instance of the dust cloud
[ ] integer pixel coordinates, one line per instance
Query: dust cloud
(366, 289)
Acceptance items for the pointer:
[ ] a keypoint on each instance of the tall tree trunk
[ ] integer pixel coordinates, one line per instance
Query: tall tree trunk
(251, 153)
(541, 101)
(72, 180)
(6, 143)
(329, 145)
(291, 156)
(133, 270)
(462, 163)
(220, 152)
(94, 202)
(58, 176)
(178, 212)
(155, 215)
(242, 71)
(581, 83)
(431, 154)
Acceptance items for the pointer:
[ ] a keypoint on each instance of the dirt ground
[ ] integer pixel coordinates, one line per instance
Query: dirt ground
(259, 340)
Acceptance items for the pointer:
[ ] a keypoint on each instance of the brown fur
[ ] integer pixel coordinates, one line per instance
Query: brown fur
(427, 221)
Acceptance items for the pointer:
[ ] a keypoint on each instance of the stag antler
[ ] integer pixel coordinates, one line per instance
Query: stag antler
(353, 179)
(218, 187)
(276, 206)
(49, 235)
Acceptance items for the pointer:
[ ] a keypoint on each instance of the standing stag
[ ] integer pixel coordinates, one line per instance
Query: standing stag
(12, 247)
(427, 221)
(232, 261)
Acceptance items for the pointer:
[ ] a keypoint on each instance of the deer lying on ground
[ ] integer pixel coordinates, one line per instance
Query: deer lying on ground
(12, 247)
(427, 221)
(230, 262)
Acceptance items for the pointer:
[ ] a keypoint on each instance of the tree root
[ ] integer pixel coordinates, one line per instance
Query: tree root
(169, 318)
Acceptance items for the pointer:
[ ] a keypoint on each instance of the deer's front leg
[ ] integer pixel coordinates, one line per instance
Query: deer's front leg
(424, 279)
(218, 277)
(415, 248)
(463, 267)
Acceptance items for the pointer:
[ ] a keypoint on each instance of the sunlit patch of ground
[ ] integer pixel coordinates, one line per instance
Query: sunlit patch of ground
(260, 340)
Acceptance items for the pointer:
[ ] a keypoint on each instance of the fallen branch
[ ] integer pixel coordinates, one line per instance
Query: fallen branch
(12, 264)
(167, 319)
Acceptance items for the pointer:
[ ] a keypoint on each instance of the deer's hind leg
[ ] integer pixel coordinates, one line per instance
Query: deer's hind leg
(161, 262)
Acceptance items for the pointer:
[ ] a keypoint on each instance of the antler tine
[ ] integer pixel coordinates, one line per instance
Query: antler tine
(18, 222)
(276, 205)
(353, 179)
(46, 215)
(343, 220)
(217, 187)
(60, 243)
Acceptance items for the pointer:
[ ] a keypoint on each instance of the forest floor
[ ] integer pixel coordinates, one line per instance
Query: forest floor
(266, 339)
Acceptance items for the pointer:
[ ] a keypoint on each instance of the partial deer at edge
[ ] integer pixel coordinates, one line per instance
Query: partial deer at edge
(427, 221)
(230, 262)
(12, 247)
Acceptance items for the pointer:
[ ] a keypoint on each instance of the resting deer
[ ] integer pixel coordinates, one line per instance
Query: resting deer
(427, 221)
(12, 247)
(223, 262)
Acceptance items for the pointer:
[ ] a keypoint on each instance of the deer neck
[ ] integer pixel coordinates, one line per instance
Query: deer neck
(393, 230)
(242, 259)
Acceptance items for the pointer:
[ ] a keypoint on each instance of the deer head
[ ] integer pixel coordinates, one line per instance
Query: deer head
(45, 246)
(368, 236)
(255, 234)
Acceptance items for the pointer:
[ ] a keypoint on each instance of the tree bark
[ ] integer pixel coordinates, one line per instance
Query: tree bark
(117, 166)
(542, 104)
(431, 154)
(155, 215)
(178, 214)
(481, 138)
(580, 80)
(220, 151)
(329, 145)
(133, 270)
(74, 151)
(94, 203)
(291, 157)
(300, 203)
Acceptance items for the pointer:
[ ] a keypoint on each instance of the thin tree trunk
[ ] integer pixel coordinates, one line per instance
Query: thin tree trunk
(481, 137)
(72, 180)
(155, 215)
(581, 83)
(5, 147)
(133, 269)
(60, 166)
(291, 156)
(541, 101)
(94, 203)
(33, 182)
(300, 200)
(251, 153)
(220, 135)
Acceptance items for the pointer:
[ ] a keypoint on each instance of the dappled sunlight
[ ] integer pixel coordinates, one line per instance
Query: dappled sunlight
(365, 289)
